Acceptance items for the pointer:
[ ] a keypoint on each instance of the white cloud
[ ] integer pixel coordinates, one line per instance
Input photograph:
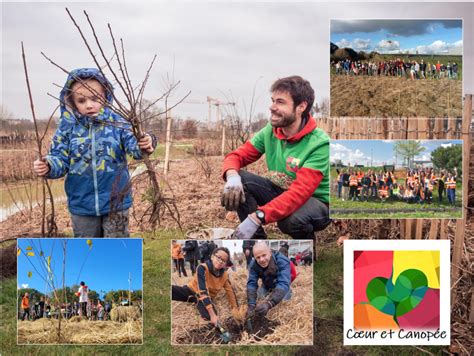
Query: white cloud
(386, 46)
(346, 155)
(445, 145)
(361, 44)
(344, 43)
(424, 157)
(24, 286)
(439, 47)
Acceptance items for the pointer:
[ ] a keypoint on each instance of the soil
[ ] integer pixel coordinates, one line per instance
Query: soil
(197, 199)
(208, 334)
(395, 97)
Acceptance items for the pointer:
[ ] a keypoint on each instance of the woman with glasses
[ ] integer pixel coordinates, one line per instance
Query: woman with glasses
(210, 279)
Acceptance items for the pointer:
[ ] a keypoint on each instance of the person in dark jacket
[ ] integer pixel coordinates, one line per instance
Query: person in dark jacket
(247, 247)
(206, 249)
(192, 256)
(273, 268)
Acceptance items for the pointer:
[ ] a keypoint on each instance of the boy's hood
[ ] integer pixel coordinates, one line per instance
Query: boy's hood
(78, 75)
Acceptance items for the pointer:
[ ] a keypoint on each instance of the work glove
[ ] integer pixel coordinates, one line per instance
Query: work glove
(246, 229)
(277, 296)
(250, 310)
(233, 193)
(263, 308)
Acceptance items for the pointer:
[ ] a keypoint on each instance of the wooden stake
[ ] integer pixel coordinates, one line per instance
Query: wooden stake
(461, 223)
(223, 140)
(168, 143)
(434, 229)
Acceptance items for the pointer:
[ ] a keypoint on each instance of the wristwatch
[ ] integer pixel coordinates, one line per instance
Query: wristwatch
(260, 215)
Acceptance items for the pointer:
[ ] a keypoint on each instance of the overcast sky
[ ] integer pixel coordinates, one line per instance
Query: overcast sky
(399, 36)
(220, 50)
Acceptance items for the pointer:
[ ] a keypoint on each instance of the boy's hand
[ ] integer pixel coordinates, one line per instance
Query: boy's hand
(41, 167)
(146, 144)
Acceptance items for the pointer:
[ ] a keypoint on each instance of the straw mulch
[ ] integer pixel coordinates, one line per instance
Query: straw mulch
(79, 331)
(288, 323)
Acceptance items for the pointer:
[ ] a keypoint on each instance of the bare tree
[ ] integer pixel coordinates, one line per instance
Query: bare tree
(48, 221)
(240, 124)
(132, 109)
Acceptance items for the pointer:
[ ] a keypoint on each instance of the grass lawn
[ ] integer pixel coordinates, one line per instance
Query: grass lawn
(157, 315)
(381, 210)
(177, 151)
(328, 304)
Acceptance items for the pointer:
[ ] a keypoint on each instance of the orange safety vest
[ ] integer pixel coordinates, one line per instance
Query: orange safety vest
(353, 181)
(383, 192)
(451, 184)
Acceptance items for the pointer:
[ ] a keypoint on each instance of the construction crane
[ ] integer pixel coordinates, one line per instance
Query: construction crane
(217, 103)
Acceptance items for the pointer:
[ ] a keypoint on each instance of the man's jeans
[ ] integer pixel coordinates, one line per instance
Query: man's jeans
(312, 216)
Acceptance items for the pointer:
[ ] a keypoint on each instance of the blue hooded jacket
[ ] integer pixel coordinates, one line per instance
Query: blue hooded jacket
(92, 152)
(280, 280)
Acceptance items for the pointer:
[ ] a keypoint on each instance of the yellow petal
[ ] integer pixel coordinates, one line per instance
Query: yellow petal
(18, 253)
(30, 274)
(31, 254)
(29, 248)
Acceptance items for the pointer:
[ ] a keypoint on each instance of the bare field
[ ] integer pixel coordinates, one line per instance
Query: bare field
(197, 199)
(395, 97)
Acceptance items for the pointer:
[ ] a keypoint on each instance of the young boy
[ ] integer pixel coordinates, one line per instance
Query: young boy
(90, 147)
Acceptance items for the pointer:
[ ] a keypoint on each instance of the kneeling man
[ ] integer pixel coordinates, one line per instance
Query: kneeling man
(273, 268)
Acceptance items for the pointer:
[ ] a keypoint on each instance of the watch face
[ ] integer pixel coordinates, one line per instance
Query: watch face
(260, 214)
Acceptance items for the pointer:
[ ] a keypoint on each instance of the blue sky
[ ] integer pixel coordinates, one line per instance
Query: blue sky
(399, 36)
(378, 152)
(106, 265)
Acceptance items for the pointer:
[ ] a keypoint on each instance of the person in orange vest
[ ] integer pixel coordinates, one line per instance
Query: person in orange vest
(451, 187)
(210, 279)
(25, 306)
(352, 186)
(383, 192)
(178, 258)
(360, 176)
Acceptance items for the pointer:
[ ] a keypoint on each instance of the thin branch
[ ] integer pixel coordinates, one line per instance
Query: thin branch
(104, 56)
(121, 67)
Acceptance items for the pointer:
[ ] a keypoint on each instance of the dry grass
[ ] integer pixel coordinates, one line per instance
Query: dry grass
(78, 331)
(293, 318)
(395, 97)
(125, 313)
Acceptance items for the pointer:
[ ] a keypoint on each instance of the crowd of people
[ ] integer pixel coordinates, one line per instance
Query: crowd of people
(397, 68)
(193, 252)
(417, 187)
(84, 307)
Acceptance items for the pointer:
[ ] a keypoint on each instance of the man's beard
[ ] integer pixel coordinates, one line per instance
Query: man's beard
(284, 121)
